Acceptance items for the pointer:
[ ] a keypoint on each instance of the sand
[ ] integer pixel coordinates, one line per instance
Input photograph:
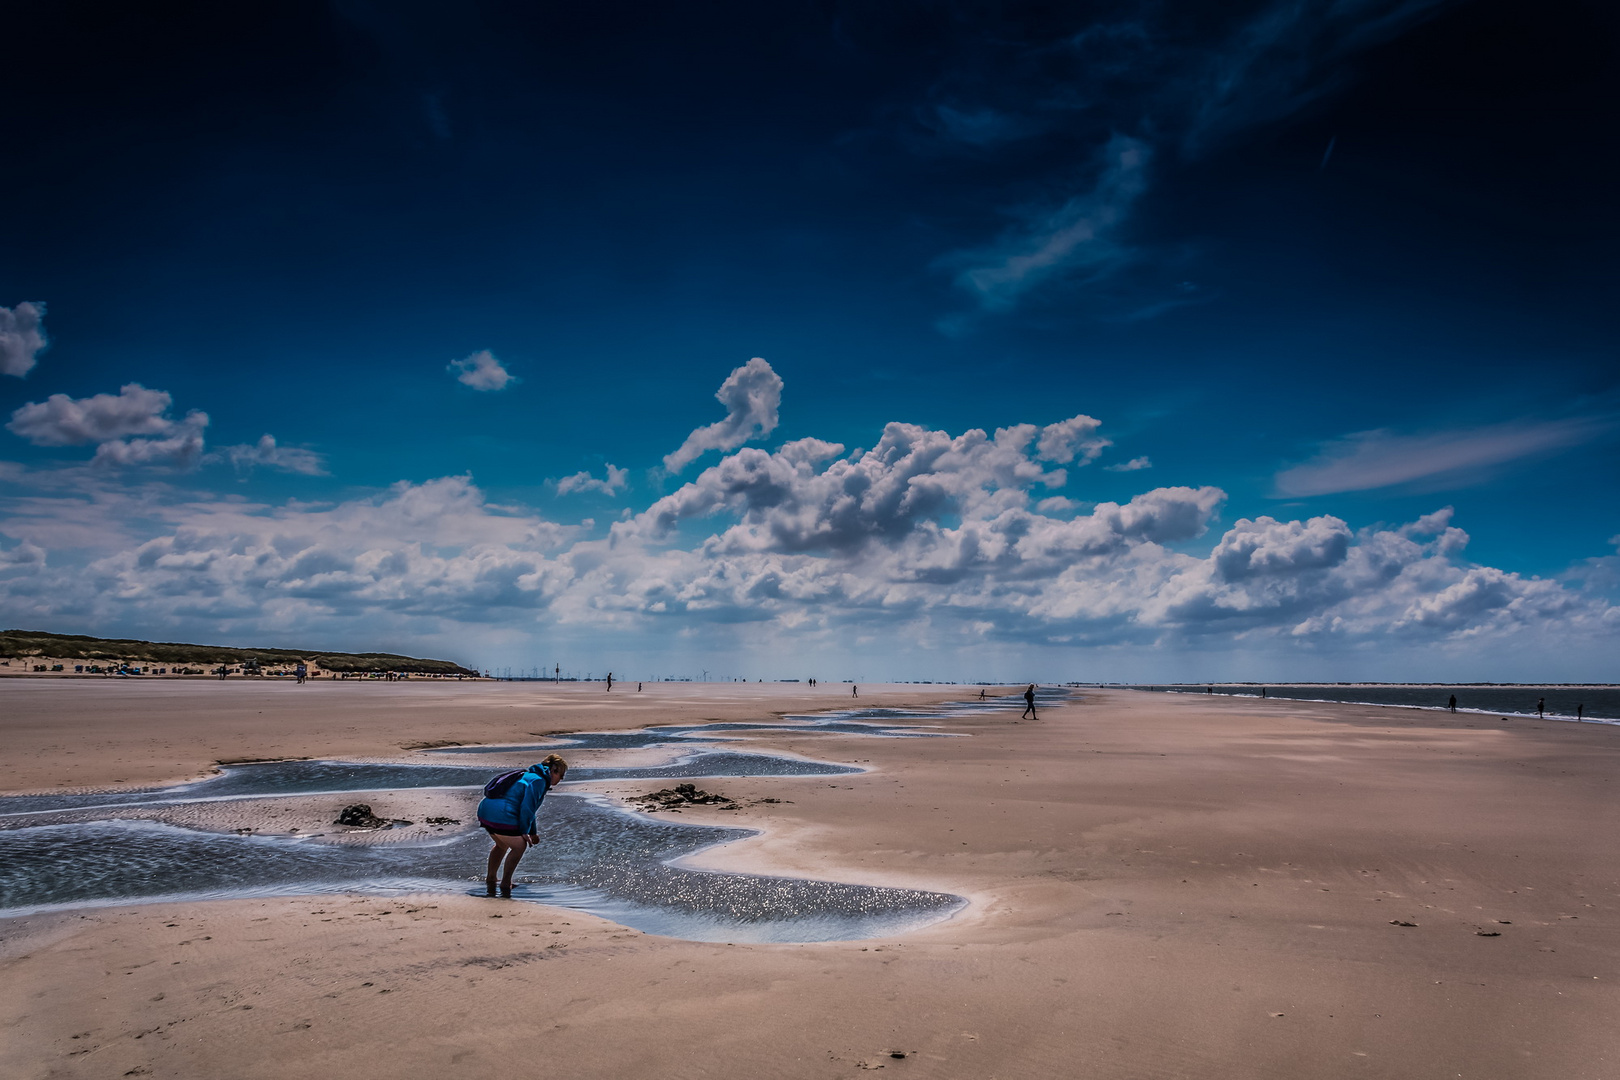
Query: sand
(1161, 886)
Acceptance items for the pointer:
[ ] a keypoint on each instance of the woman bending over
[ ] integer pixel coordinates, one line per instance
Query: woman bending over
(509, 818)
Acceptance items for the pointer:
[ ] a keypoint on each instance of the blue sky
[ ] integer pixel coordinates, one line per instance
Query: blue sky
(1318, 272)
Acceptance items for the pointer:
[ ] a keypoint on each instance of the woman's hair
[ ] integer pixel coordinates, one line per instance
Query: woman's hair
(552, 761)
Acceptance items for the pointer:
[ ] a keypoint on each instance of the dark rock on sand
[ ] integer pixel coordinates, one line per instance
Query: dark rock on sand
(359, 816)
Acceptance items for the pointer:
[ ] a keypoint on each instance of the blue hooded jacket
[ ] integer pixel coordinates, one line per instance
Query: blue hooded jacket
(516, 810)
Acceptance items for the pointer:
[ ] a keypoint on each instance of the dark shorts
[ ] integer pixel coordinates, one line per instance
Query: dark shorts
(501, 830)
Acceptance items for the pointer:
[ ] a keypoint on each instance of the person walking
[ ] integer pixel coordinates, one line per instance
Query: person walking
(854, 691)
(610, 682)
(508, 818)
(1579, 709)
(1029, 704)
(1452, 704)
(1541, 708)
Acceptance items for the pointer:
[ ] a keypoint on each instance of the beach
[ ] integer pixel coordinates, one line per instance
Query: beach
(1159, 885)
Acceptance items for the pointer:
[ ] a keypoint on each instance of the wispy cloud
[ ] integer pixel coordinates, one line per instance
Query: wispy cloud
(1376, 459)
(22, 337)
(1136, 94)
(1136, 464)
(1289, 56)
(481, 371)
(1077, 237)
(267, 453)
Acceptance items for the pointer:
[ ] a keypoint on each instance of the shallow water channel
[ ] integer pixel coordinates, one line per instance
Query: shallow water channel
(72, 850)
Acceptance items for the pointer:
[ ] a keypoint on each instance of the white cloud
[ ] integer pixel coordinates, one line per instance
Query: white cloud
(751, 395)
(133, 427)
(1064, 441)
(615, 481)
(268, 453)
(1076, 237)
(482, 371)
(180, 446)
(22, 337)
(1136, 464)
(925, 541)
(63, 421)
(24, 556)
(1376, 459)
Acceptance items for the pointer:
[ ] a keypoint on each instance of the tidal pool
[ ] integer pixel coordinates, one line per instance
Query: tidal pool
(594, 856)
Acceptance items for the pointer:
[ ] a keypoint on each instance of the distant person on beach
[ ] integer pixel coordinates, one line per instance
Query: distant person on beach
(1579, 709)
(854, 691)
(1541, 707)
(509, 819)
(1452, 704)
(1262, 691)
(610, 682)
(981, 693)
(1029, 704)
(638, 688)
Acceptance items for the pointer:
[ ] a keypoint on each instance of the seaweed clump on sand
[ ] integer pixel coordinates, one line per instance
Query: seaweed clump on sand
(683, 795)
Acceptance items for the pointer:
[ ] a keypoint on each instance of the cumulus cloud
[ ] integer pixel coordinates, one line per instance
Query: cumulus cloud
(180, 446)
(22, 337)
(1375, 459)
(133, 427)
(928, 536)
(63, 421)
(266, 452)
(1064, 441)
(613, 482)
(481, 371)
(1136, 464)
(751, 394)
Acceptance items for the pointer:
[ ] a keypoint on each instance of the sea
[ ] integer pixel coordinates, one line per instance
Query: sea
(1597, 703)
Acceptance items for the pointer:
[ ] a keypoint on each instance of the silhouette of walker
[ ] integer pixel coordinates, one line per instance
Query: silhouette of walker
(1541, 708)
(1452, 704)
(1029, 704)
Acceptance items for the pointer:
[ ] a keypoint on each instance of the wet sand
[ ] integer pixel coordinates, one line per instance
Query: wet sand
(1161, 886)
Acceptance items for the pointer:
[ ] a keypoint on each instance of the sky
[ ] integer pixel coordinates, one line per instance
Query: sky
(1120, 341)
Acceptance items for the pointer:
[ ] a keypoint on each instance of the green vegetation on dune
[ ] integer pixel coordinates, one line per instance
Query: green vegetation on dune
(23, 643)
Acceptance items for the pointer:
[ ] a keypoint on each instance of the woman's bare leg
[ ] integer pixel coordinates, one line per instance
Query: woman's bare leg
(509, 848)
(512, 856)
